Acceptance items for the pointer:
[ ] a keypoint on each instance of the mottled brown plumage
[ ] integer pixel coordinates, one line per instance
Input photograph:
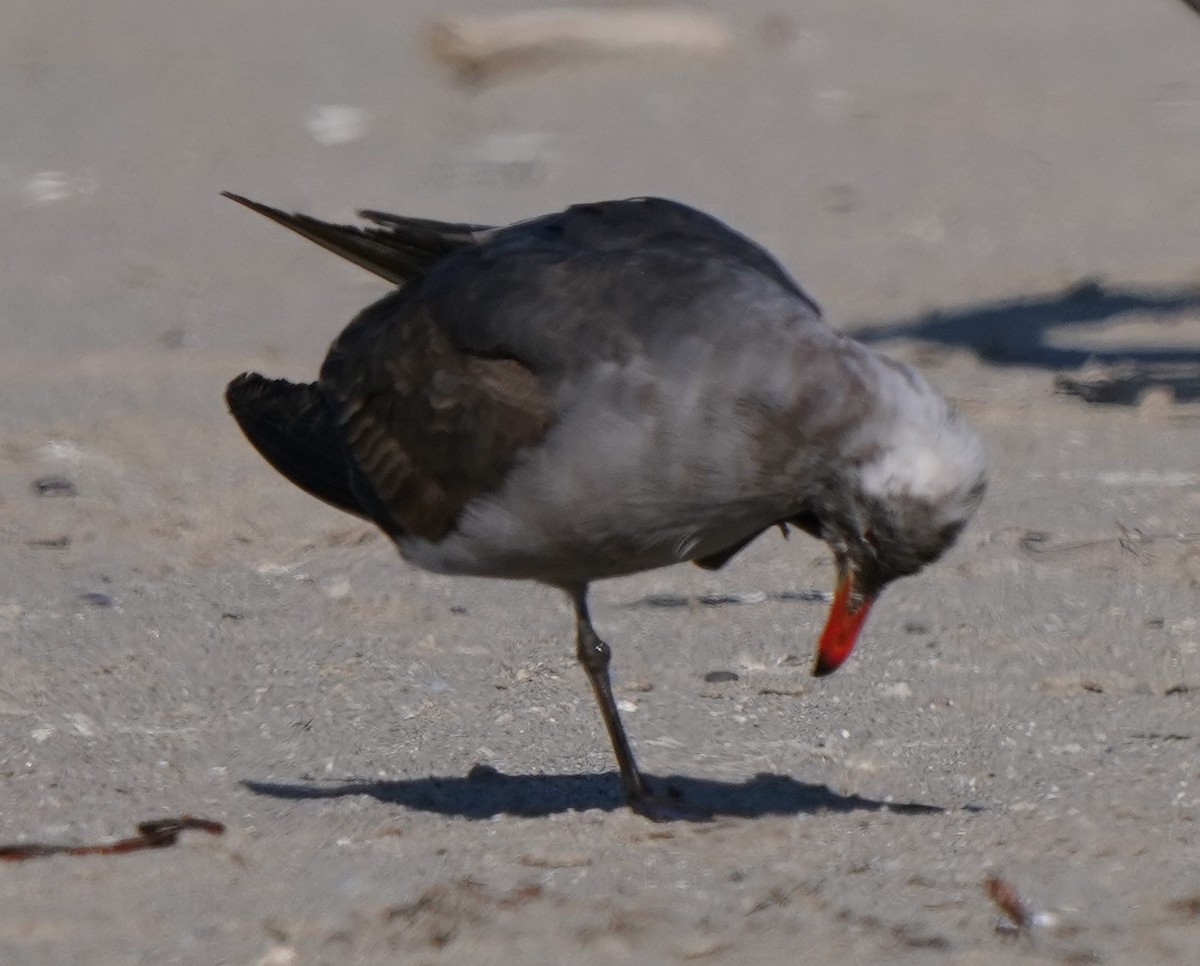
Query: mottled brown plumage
(429, 427)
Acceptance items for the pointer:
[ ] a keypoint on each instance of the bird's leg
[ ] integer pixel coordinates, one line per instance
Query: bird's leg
(594, 655)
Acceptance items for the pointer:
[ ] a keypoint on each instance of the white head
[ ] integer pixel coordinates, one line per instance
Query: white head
(922, 476)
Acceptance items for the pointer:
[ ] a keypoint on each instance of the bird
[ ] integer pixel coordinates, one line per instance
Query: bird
(612, 388)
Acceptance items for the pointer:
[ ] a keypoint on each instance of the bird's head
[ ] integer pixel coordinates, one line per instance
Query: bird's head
(902, 511)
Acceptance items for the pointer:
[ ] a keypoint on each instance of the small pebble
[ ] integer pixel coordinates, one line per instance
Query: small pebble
(665, 600)
(338, 587)
(277, 955)
(332, 124)
(54, 485)
(805, 596)
(50, 543)
(556, 860)
(702, 947)
(749, 597)
(783, 690)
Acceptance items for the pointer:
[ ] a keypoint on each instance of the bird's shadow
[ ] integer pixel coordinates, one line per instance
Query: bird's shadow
(1023, 331)
(486, 793)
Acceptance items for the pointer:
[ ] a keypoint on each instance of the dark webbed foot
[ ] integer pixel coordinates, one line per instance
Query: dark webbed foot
(667, 808)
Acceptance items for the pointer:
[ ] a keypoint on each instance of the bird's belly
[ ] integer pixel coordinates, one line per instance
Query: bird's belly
(574, 520)
(556, 549)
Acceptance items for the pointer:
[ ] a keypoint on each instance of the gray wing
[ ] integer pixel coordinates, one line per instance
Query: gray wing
(648, 224)
(606, 281)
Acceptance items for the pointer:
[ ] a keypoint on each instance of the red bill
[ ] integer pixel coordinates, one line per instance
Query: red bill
(847, 614)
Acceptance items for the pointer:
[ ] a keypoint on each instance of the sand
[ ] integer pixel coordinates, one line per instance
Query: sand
(410, 768)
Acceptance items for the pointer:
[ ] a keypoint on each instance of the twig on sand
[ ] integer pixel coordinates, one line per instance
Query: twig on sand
(155, 834)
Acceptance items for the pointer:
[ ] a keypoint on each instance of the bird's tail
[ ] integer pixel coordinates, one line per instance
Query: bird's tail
(398, 249)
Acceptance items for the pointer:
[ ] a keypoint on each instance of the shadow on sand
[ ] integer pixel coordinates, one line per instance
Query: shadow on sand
(485, 793)
(1022, 331)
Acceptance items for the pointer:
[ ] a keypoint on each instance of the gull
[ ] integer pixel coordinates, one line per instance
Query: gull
(612, 388)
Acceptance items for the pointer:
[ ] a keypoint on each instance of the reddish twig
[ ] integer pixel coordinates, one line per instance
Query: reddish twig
(155, 834)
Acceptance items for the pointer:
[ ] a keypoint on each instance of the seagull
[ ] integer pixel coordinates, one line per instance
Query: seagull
(616, 387)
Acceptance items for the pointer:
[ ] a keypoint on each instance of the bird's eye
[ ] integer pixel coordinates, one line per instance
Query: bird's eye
(869, 536)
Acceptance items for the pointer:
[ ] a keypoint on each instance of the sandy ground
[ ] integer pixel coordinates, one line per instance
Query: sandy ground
(410, 768)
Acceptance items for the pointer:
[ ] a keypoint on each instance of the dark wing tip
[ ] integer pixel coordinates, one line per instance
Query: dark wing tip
(252, 205)
(243, 390)
(398, 250)
(291, 427)
(237, 388)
